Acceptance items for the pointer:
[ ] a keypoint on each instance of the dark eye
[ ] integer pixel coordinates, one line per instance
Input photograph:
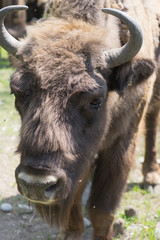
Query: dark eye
(19, 94)
(95, 105)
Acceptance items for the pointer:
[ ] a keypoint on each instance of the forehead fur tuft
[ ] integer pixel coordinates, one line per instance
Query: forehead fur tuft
(72, 35)
(56, 50)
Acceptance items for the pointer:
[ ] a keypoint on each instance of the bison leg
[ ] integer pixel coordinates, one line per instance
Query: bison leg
(151, 170)
(75, 227)
(112, 168)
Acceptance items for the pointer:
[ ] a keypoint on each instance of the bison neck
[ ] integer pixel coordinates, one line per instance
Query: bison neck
(86, 10)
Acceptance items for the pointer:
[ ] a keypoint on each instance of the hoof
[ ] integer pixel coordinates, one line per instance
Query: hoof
(70, 236)
(152, 178)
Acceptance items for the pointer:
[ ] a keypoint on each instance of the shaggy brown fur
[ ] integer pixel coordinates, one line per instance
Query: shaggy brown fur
(73, 109)
(85, 10)
(151, 168)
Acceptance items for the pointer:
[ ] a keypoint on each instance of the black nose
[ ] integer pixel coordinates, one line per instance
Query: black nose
(36, 188)
(50, 190)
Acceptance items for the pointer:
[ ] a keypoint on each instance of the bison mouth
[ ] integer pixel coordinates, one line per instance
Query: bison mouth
(57, 213)
(50, 194)
(41, 188)
(40, 193)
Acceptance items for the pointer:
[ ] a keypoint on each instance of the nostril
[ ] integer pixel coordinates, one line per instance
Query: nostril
(36, 187)
(50, 190)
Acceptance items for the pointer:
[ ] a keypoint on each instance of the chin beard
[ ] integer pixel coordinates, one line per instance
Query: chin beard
(56, 213)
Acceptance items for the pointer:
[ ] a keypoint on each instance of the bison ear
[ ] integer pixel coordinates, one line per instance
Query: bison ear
(130, 74)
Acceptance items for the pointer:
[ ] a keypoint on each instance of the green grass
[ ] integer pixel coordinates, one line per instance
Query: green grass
(4, 63)
(9, 118)
(148, 207)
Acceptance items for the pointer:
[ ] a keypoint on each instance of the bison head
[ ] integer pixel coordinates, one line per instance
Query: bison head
(61, 87)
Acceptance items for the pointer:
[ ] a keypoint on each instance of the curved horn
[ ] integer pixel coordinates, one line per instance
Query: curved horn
(121, 55)
(7, 41)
